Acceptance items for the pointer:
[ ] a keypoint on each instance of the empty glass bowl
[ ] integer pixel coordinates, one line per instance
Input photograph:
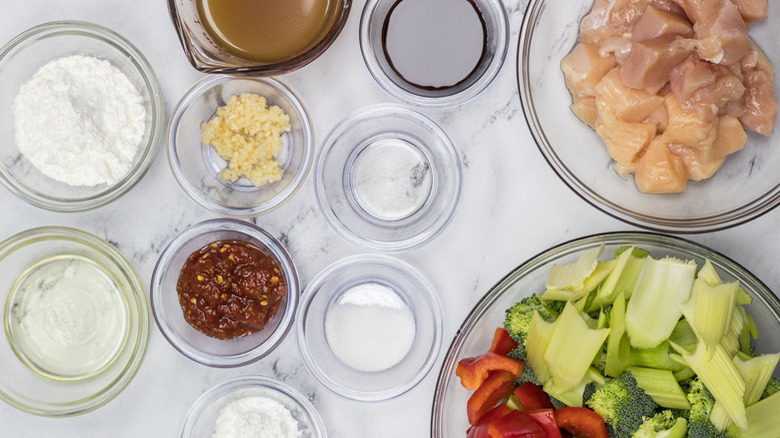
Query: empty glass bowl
(168, 311)
(202, 417)
(196, 167)
(373, 32)
(745, 187)
(76, 319)
(388, 178)
(21, 58)
(362, 290)
(209, 57)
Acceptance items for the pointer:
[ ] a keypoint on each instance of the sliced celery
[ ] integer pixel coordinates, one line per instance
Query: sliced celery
(756, 371)
(572, 397)
(683, 334)
(618, 347)
(708, 274)
(572, 347)
(684, 374)
(572, 276)
(713, 311)
(576, 292)
(539, 335)
(657, 357)
(514, 403)
(607, 292)
(722, 378)
(661, 386)
(762, 418)
(654, 308)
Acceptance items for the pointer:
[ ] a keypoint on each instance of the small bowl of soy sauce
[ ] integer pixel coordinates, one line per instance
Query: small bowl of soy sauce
(434, 52)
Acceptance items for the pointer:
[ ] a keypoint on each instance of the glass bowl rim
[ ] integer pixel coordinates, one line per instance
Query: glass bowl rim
(463, 96)
(428, 294)
(137, 292)
(264, 70)
(694, 225)
(236, 383)
(289, 95)
(206, 227)
(156, 128)
(356, 118)
(549, 255)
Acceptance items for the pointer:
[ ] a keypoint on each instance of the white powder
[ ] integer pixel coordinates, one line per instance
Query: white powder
(253, 417)
(80, 121)
(370, 328)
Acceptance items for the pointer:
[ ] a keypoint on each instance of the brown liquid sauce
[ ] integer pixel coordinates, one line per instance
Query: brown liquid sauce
(229, 289)
(267, 31)
(434, 44)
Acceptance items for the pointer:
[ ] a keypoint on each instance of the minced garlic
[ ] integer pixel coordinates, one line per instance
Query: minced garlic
(248, 135)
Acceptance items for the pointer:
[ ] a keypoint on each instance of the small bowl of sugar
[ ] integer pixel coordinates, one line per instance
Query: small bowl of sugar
(369, 327)
(253, 406)
(83, 116)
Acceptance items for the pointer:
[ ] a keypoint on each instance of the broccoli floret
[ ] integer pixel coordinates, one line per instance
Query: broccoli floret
(662, 425)
(701, 400)
(623, 405)
(590, 389)
(518, 317)
(772, 387)
(527, 376)
(557, 404)
(519, 352)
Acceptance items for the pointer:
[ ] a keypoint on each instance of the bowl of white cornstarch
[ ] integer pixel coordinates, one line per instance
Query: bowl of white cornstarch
(81, 116)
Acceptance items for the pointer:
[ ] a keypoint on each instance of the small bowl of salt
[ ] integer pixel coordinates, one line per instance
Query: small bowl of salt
(369, 327)
(253, 406)
(82, 116)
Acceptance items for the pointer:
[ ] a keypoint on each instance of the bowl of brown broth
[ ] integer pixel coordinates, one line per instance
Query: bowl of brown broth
(256, 37)
(434, 52)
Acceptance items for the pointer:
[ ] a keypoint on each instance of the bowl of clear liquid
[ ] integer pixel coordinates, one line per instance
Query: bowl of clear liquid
(76, 320)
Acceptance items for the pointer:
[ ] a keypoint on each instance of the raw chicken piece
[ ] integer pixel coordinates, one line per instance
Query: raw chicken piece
(657, 23)
(722, 37)
(650, 62)
(755, 58)
(696, 81)
(752, 10)
(659, 170)
(585, 109)
(760, 102)
(628, 104)
(619, 47)
(730, 138)
(625, 141)
(610, 18)
(696, 127)
(696, 170)
(699, 10)
(668, 6)
(583, 68)
(660, 118)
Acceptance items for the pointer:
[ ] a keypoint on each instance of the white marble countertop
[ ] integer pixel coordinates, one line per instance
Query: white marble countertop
(512, 207)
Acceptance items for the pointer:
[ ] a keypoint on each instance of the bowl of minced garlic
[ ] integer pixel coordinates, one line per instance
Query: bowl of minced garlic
(240, 147)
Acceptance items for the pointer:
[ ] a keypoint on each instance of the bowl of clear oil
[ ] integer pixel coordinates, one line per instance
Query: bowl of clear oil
(76, 321)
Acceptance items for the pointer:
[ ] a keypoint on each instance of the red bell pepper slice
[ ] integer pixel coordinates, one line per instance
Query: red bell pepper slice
(516, 424)
(533, 397)
(495, 388)
(502, 342)
(480, 430)
(581, 422)
(546, 420)
(474, 370)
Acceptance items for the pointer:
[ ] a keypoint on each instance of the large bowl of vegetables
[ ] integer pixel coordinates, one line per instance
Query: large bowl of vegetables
(707, 345)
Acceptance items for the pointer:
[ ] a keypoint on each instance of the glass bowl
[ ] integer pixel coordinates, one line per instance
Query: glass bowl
(208, 57)
(388, 178)
(49, 365)
(475, 334)
(21, 58)
(167, 310)
(745, 187)
(202, 416)
(496, 26)
(196, 167)
(368, 280)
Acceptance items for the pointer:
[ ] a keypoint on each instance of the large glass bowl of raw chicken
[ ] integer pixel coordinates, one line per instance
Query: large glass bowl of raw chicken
(658, 112)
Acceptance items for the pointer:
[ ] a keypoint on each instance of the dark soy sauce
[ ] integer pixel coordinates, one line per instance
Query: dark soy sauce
(434, 44)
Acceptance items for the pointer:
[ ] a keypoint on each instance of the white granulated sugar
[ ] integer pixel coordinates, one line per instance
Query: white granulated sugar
(79, 121)
(370, 328)
(253, 417)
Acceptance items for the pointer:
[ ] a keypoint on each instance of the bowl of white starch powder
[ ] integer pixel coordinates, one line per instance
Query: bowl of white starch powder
(82, 115)
(249, 407)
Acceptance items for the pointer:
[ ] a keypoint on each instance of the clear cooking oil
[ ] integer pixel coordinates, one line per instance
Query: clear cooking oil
(66, 317)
